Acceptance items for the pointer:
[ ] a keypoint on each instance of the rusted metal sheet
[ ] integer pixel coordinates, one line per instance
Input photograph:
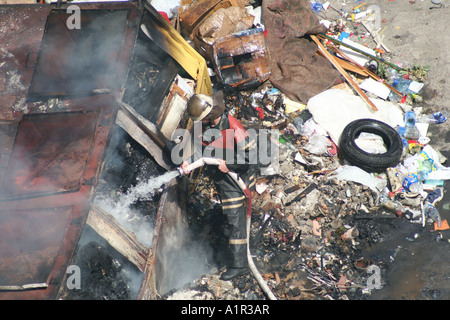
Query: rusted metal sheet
(25, 254)
(52, 149)
(22, 30)
(170, 235)
(79, 61)
(56, 121)
(50, 154)
(242, 59)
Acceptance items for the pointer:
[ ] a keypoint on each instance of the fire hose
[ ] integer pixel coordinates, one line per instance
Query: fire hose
(214, 161)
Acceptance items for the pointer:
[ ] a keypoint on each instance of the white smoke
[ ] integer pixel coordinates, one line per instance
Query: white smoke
(133, 220)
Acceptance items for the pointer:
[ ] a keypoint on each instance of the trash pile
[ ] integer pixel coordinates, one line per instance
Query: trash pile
(354, 155)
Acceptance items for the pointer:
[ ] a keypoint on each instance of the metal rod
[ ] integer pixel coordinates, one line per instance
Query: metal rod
(324, 36)
(29, 286)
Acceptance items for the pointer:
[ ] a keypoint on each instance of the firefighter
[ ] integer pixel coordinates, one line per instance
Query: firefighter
(232, 140)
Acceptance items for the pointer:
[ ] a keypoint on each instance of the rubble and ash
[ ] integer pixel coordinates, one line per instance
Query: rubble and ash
(309, 248)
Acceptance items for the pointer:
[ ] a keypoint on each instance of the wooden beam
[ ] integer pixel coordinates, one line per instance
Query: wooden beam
(363, 69)
(127, 123)
(343, 73)
(349, 66)
(118, 237)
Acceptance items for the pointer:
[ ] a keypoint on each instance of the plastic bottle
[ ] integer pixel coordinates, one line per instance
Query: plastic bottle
(411, 131)
(432, 213)
(416, 187)
(407, 87)
(410, 119)
(413, 182)
(437, 117)
(427, 166)
(316, 6)
(392, 205)
(391, 75)
(298, 123)
(402, 131)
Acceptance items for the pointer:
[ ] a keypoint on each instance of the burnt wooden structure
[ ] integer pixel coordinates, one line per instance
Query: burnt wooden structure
(62, 92)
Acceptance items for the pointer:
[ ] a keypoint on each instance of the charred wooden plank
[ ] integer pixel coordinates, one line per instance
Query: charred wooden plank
(118, 237)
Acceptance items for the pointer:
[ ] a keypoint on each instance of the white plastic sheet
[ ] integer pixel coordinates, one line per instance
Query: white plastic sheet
(358, 175)
(167, 6)
(333, 109)
(442, 172)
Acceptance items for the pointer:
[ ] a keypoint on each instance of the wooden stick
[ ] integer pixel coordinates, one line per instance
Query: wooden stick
(324, 36)
(370, 73)
(344, 73)
(348, 65)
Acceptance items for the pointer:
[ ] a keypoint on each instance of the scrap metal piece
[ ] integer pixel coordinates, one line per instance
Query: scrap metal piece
(242, 59)
(78, 62)
(303, 193)
(29, 286)
(50, 154)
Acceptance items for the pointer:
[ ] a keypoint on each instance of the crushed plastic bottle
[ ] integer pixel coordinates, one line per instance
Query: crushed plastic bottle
(437, 117)
(413, 182)
(411, 131)
(316, 6)
(432, 213)
(392, 205)
(407, 87)
(298, 123)
(416, 187)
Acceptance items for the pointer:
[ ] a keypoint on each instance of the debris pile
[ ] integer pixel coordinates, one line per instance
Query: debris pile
(319, 209)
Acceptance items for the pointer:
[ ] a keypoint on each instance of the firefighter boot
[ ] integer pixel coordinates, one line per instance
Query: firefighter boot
(239, 264)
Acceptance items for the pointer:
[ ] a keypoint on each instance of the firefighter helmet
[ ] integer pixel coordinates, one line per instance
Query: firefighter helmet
(199, 106)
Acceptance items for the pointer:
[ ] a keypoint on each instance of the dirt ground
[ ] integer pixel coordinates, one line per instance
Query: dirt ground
(414, 33)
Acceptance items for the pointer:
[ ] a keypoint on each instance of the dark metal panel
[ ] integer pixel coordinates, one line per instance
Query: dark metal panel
(50, 154)
(152, 72)
(51, 151)
(79, 61)
(27, 257)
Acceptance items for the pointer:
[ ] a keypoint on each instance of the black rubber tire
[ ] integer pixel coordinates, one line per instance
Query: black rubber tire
(371, 162)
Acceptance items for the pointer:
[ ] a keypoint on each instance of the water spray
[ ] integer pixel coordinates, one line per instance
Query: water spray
(240, 182)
